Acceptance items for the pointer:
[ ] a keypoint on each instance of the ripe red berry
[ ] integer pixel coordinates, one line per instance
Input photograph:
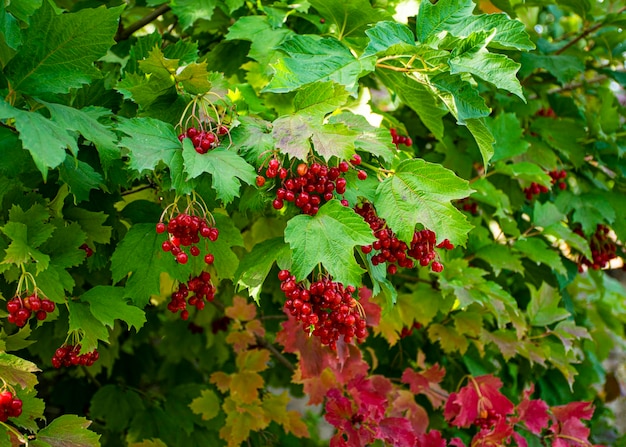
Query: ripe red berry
(160, 228)
(209, 259)
(194, 250)
(437, 267)
(362, 175)
(278, 204)
(260, 181)
(274, 164)
(182, 258)
(356, 159)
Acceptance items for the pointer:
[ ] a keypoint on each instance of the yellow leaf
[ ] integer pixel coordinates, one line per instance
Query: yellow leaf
(221, 381)
(241, 310)
(241, 420)
(245, 385)
(253, 360)
(207, 405)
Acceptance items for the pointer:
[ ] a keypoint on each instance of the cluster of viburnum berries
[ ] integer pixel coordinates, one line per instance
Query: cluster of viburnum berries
(194, 293)
(400, 139)
(69, 355)
(557, 177)
(396, 253)
(185, 230)
(10, 405)
(310, 186)
(21, 309)
(603, 248)
(326, 309)
(203, 141)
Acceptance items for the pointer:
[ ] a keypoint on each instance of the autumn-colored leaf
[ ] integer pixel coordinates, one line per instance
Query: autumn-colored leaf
(241, 310)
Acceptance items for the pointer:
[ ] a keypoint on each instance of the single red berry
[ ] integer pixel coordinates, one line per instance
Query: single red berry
(160, 228)
(260, 181)
(41, 315)
(209, 259)
(322, 20)
(437, 267)
(283, 275)
(344, 166)
(195, 251)
(278, 204)
(356, 159)
(184, 314)
(192, 132)
(362, 175)
(222, 130)
(408, 142)
(274, 164)
(562, 186)
(213, 234)
(166, 246)
(182, 258)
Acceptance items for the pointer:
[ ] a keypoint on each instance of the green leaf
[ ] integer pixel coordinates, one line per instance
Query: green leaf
(319, 99)
(188, 11)
(418, 97)
(499, 257)
(49, 61)
(226, 169)
(108, 304)
(252, 138)
(207, 405)
(350, 17)
(420, 192)
(448, 337)
(471, 56)
(333, 140)
(328, 238)
(91, 223)
(484, 138)
(194, 78)
(434, 18)
(563, 68)
(311, 58)
(145, 89)
(543, 308)
(264, 38)
(32, 410)
(292, 134)
(538, 251)
(48, 145)
(255, 266)
(149, 142)
(17, 371)
(561, 231)
(82, 321)
(546, 214)
(461, 98)
(386, 36)
(139, 254)
(115, 406)
(226, 261)
(80, 177)
(508, 134)
(374, 140)
(527, 171)
(68, 430)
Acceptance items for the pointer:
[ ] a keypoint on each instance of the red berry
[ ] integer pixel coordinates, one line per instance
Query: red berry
(283, 275)
(278, 204)
(362, 175)
(437, 267)
(260, 181)
(356, 159)
(41, 315)
(222, 130)
(209, 258)
(166, 246)
(182, 258)
(160, 228)
(195, 251)
(274, 164)
(302, 169)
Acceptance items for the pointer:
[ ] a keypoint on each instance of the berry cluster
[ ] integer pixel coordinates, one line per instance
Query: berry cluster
(396, 253)
(202, 289)
(468, 205)
(69, 355)
(406, 331)
(326, 309)
(311, 185)
(10, 406)
(185, 230)
(556, 178)
(88, 250)
(21, 309)
(203, 141)
(400, 139)
(603, 248)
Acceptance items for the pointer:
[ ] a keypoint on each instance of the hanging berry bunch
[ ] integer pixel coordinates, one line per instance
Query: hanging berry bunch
(185, 229)
(326, 309)
(603, 248)
(10, 404)
(396, 253)
(69, 355)
(400, 139)
(25, 304)
(310, 185)
(206, 122)
(557, 178)
(196, 292)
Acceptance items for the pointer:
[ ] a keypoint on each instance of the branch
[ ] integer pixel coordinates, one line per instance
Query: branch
(125, 33)
(275, 352)
(584, 34)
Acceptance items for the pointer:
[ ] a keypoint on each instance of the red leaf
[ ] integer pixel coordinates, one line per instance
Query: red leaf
(431, 439)
(397, 432)
(403, 404)
(456, 442)
(534, 413)
(520, 440)
(370, 395)
(576, 410)
(372, 310)
(427, 383)
(497, 435)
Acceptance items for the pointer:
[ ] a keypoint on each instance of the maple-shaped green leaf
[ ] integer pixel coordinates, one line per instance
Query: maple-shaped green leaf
(82, 321)
(67, 430)
(156, 64)
(227, 169)
(449, 339)
(292, 134)
(311, 58)
(32, 410)
(17, 371)
(589, 209)
(226, 261)
(388, 36)
(349, 17)
(434, 18)
(149, 142)
(471, 56)
(328, 238)
(333, 140)
(116, 406)
(461, 98)
(145, 89)
(48, 61)
(538, 251)
(139, 255)
(188, 11)
(468, 323)
(564, 68)
(80, 177)
(256, 265)
(207, 405)
(319, 99)
(420, 192)
(564, 135)
(48, 145)
(418, 97)
(91, 223)
(507, 131)
(500, 257)
(527, 171)
(194, 78)
(375, 140)
(252, 139)
(543, 308)
(108, 304)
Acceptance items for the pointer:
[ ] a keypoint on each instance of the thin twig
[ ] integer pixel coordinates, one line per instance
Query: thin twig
(275, 352)
(125, 33)
(584, 34)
